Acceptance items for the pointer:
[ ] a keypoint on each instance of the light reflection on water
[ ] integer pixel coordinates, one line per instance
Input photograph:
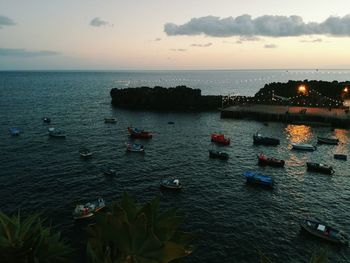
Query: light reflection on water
(298, 133)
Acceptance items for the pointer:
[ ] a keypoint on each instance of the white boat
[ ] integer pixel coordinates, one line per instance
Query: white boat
(135, 147)
(53, 132)
(84, 152)
(88, 210)
(303, 147)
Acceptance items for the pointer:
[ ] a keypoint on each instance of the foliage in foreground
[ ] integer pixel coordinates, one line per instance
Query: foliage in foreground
(27, 241)
(130, 234)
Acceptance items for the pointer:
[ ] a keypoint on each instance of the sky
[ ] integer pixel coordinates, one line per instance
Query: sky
(179, 35)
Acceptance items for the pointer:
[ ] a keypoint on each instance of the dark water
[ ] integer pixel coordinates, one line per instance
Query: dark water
(231, 220)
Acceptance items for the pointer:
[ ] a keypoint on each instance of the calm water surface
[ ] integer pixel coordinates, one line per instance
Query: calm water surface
(232, 221)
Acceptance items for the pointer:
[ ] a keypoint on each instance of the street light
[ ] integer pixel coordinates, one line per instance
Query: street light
(302, 89)
(346, 89)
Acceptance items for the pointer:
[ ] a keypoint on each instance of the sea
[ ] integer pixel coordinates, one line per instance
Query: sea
(232, 221)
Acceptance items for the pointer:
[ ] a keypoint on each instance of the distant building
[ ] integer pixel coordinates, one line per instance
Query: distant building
(346, 103)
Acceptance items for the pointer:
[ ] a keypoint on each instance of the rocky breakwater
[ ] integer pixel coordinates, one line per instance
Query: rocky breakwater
(180, 98)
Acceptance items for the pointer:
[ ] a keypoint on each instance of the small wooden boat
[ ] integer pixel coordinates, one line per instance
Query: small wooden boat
(84, 152)
(321, 230)
(110, 172)
(303, 147)
(218, 155)
(171, 122)
(89, 209)
(322, 140)
(57, 133)
(319, 167)
(46, 120)
(14, 131)
(135, 147)
(340, 156)
(220, 138)
(263, 160)
(259, 179)
(110, 120)
(173, 184)
(262, 140)
(139, 134)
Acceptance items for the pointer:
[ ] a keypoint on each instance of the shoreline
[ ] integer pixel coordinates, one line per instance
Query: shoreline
(335, 117)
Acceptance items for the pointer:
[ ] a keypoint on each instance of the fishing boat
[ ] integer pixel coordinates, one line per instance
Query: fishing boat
(263, 140)
(321, 230)
(139, 134)
(46, 120)
(173, 184)
(319, 167)
(135, 147)
(220, 138)
(110, 172)
(218, 155)
(57, 133)
(110, 120)
(263, 160)
(303, 147)
(259, 179)
(89, 209)
(171, 122)
(322, 140)
(84, 152)
(340, 156)
(14, 131)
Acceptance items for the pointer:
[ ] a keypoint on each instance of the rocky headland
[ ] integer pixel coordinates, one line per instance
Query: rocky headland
(180, 98)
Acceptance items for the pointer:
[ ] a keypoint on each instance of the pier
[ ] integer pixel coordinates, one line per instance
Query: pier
(335, 117)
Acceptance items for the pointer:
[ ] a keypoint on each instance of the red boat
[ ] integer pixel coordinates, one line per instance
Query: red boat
(220, 138)
(139, 134)
(263, 160)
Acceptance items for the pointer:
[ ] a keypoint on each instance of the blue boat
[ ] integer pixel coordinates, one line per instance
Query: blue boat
(258, 178)
(14, 131)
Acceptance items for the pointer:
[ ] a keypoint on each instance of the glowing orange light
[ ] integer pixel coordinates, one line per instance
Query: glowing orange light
(346, 89)
(302, 89)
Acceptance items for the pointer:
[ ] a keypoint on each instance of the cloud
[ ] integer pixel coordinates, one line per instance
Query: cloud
(202, 45)
(317, 40)
(178, 49)
(270, 46)
(267, 25)
(98, 22)
(5, 21)
(10, 52)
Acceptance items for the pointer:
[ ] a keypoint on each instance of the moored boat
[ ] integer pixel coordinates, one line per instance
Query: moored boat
(263, 160)
(218, 155)
(259, 179)
(14, 131)
(303, 147)
(46, 120)
(263, 140)
(110, 120)
(84, 152)
(323, 140)
(340, 156)
(321, 230)
(89, 209)
(173, 184)
(139, 134)
(220, 138)
(135, 147)
(57, 133)
(319, 167)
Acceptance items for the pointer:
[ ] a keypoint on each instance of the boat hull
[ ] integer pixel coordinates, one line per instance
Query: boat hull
(329, 141)
(218, 155)
(315, 167)
(259, 140)
(329, 234)
(340, 157)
